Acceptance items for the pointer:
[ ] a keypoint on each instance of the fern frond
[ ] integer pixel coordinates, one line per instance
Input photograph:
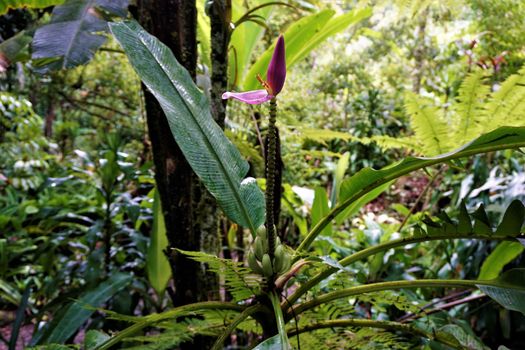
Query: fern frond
(469, 108)
(240, 281)
(507, 105)
(388, 142)
(383, 299)
(431, 131)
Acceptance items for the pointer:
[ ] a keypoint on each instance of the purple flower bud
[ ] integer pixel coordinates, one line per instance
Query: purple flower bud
(276, 73)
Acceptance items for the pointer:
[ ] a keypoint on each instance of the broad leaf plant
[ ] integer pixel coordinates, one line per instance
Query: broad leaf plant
(272, 268)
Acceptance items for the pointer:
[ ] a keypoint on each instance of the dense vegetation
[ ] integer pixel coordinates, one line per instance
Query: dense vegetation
(368, 195)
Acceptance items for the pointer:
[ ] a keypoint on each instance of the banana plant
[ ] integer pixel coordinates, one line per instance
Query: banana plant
(272, 266)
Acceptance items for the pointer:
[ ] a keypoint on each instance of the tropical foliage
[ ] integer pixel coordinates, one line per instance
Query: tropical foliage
(375, 201)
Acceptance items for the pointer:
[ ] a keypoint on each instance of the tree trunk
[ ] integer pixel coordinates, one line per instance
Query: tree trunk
(220, 18)
(189, 210)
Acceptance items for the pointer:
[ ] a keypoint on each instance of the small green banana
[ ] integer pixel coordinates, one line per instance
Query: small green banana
(287, 261)
(261, 232)
(278, 259)
(267, 266)
(259, 248)
(254, 264)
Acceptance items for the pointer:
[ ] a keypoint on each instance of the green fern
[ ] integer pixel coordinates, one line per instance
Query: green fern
(507, 105)
(470, 107)
(238, 280)
(431, 131)
(475, 112)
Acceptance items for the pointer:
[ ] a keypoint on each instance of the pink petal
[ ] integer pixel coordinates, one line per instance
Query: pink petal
(254, 97)
(276, 73)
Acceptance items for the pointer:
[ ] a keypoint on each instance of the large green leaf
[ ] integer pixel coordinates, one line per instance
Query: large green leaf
(245, 37)
(339, 174)
(13, 4)
(368, 179)
(66, 322)
(504, 253)
(320, 208)
(302, 37)
(211, 155)
(74, 33)
(157, 264)
(509, 290)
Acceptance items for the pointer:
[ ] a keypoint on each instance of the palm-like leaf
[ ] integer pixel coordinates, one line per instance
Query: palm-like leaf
(211, 155)
(73, 34)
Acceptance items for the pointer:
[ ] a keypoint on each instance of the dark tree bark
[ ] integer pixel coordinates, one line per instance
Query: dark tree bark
(49, 120)
(220, 18)
(189, 210)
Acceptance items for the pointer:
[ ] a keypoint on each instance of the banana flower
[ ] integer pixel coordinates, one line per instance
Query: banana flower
(275, 75)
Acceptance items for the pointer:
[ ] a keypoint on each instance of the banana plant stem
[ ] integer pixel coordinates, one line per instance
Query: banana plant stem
(279, 318)
(388, 325)
(271, 154)
(365, 253)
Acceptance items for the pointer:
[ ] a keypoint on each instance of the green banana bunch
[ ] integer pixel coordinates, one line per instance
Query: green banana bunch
(259, 258)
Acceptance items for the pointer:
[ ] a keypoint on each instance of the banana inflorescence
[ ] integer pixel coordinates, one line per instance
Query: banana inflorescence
(259, 256)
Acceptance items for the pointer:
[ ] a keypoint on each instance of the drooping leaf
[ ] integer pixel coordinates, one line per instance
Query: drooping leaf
(211, 155)
(504, 253)
(368, 179)
(13, 4)
(157, 264)
(69, 320)
(74, 33)
(509, 290)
